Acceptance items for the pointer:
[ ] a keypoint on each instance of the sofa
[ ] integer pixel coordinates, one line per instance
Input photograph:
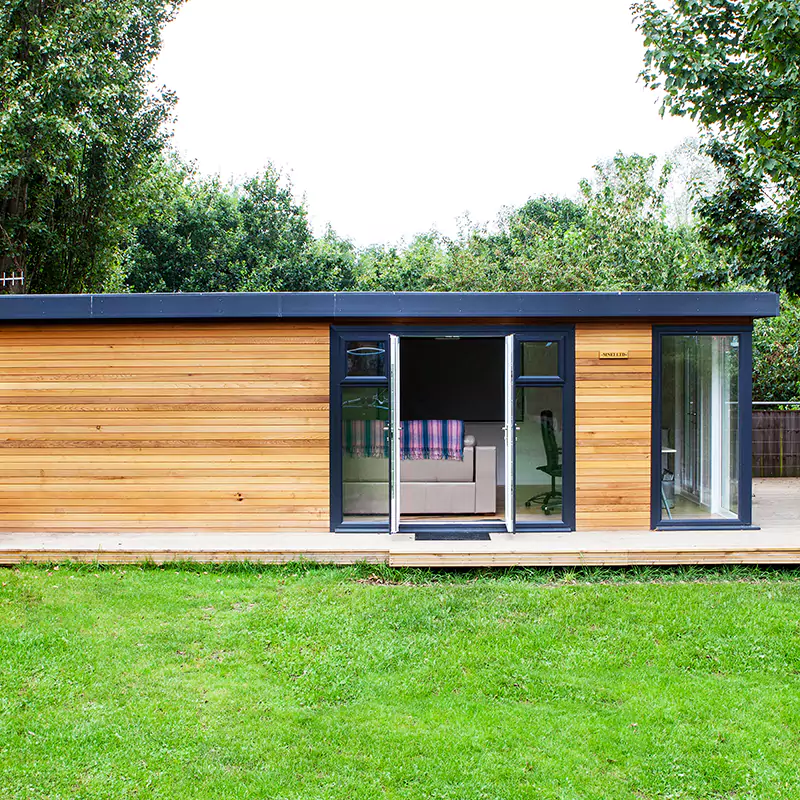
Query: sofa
(426, 486)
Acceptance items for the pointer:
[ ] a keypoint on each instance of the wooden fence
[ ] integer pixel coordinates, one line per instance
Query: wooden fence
(776, 444)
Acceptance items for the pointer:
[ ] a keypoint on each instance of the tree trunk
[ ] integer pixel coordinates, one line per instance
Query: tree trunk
(12, 246)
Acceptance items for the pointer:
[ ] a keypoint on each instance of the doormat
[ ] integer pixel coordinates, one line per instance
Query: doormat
(453, 536)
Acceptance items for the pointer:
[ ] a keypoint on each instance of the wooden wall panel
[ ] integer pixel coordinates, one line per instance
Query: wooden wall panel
(218, 426)
(612, 415)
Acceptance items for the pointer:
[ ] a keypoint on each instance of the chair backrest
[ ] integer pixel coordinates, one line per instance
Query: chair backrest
(549, 438)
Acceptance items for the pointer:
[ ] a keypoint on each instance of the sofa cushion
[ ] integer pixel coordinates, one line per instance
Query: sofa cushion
(430, 471)
(427, 471)
(451, 497)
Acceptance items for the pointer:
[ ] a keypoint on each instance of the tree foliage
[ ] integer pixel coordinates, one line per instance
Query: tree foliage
(734, 66)
(205, 236)
(80, 126)
(776, 354)
(92, 200)
(763, 237)
(614, 238)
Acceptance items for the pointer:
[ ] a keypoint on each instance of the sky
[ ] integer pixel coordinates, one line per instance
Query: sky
(394, 118)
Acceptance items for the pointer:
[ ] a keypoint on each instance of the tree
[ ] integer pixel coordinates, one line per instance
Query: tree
(275, 234)
(81, 125)
(734, 66)
(693, 174)
(203, 236)
(615, 238)
(776, 354)
(190, 239)
(626, 242)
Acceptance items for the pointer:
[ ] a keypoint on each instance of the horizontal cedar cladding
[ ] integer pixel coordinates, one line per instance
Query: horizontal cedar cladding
(165, 426)
(613, 405)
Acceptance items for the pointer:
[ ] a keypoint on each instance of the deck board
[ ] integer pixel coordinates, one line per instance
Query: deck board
(776, 508)
(772, 546)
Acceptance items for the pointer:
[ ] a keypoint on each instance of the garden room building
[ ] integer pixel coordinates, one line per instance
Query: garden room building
(441, 415)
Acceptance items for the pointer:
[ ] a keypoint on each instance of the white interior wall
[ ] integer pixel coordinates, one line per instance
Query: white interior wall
(488, 434)
(530, 445)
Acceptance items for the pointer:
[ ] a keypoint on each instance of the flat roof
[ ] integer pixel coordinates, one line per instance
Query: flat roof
(366, 305)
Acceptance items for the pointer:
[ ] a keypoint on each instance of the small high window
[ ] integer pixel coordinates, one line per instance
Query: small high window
(365, 359)
(539, 359)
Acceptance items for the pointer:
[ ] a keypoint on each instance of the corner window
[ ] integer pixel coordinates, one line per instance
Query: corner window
(701, 475)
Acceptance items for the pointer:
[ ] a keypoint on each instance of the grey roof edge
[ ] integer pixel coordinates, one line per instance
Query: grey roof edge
(366, 305)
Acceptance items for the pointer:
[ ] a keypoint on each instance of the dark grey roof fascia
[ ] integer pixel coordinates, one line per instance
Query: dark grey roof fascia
(365, 305)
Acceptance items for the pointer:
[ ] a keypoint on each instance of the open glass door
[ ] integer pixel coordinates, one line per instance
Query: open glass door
(510, 436)
(511, 398)
(395, 433)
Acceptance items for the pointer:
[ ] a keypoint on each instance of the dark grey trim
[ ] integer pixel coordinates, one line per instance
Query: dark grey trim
(715, 525)
(564, 334)
(365, 305)
(745, 500)
(339, 381)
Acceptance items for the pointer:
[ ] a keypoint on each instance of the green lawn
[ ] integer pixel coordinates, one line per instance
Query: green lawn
(328, 683)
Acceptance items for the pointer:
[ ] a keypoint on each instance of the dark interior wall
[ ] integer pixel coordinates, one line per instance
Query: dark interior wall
(452, 379)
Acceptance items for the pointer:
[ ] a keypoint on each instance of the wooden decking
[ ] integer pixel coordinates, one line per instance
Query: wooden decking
(776, 507)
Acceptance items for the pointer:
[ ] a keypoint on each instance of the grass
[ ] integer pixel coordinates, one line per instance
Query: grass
(321, 682)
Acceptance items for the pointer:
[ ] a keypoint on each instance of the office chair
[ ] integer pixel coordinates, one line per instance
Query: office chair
(550, 500)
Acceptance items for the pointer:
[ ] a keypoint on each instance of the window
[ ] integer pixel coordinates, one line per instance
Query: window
(701, 473)
(365, 359)
(540, 359)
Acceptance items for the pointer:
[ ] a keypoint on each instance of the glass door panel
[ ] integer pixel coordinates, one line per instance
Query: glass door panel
(539, 462)
(365, 453)
(699, 427)
(544, 419)
(729, 383)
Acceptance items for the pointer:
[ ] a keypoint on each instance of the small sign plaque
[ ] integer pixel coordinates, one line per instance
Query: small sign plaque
(613, 354)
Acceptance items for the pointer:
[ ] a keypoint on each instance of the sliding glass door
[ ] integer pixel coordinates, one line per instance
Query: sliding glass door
(702, 387)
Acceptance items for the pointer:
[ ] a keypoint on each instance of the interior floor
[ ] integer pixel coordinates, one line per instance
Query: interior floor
(447, 518)
(682, 507)
(533, 513)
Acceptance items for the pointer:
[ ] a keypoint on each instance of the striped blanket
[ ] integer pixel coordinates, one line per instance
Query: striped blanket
(366, 438)
(436, 439)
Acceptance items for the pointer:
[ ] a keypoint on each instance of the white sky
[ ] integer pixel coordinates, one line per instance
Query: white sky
(394, 118)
